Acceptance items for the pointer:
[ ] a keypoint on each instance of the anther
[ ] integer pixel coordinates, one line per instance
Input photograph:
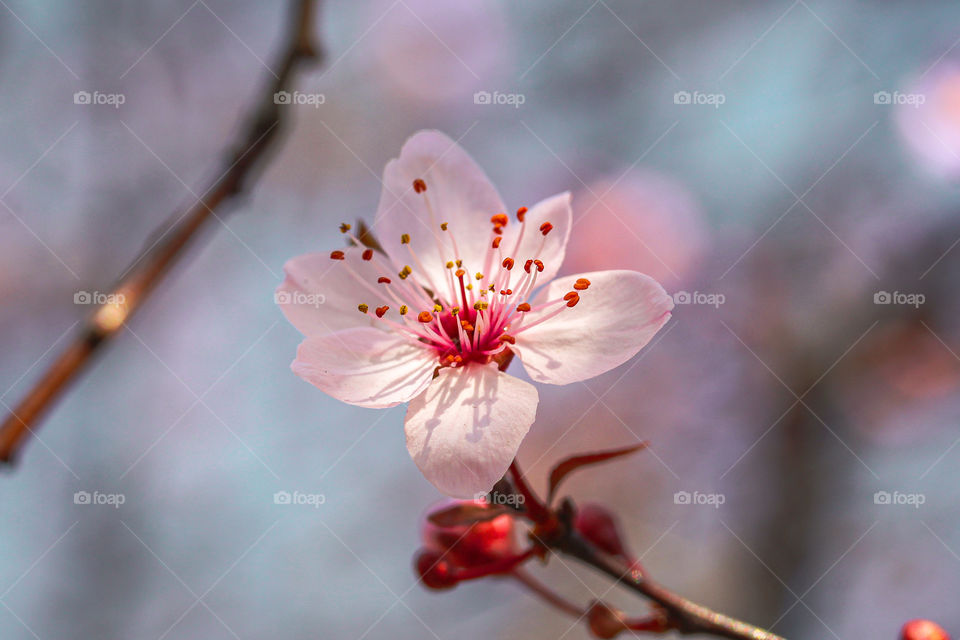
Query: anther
(437, 308)
(478, 276)
(508, 263)
(539, 265)
(523, 307)
(546, 228)
(425, 317)
(581, 284)
(337, 255)
(363, 308)
(443, 226)
(480, 305)
(367, 254)
(526, 266)
(496, 242)
(405, 272)
(382, 310)
(460, 273)
(500, 220)
(521, 213)
(508, 338)
(344, 227)
(572, 298)
(450, 265)
(405, 238)
(419, 185)
(383, 280)
(403, 309)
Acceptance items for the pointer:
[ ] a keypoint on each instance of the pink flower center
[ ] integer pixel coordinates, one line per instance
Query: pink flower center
(469, 316)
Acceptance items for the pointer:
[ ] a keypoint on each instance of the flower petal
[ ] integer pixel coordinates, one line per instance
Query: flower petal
(366, 367)
(557, 211)
(320, 295)
(616, 317)
(466, 428)
(459, 194)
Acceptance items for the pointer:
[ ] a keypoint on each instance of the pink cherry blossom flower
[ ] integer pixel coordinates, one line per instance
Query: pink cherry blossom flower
(458, 288)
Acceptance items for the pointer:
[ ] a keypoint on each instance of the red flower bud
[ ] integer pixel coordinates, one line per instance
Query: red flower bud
(923, 630)
(599, 526)
(472, 545)
(604, 621)
(434, 571)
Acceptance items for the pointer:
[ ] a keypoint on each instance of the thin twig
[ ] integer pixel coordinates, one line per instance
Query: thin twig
(135, 285)
(684, 615)
(554, 530)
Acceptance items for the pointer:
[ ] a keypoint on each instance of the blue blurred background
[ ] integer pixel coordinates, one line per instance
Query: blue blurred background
(784, 164)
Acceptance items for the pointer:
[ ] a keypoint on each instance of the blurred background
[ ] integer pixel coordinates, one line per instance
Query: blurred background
(789, 170)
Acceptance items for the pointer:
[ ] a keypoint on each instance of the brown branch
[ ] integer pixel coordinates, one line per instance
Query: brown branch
(135, 285)
(554, 530)
(683, 615)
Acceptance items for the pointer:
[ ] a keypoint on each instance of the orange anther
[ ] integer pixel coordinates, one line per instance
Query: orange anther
(508, 263)
(382, 310)
(337, 255)
(521, 213)
(425, 317)
(523, 306)
(367, 254)
(383, 280)
(419, 185)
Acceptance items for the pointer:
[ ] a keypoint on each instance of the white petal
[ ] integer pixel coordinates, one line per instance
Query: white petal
(460, 194)
(366, 367)
(320, 295)
(466, 428)
(557, 211)
(615, 318)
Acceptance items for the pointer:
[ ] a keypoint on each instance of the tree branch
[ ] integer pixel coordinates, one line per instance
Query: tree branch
(258, 136)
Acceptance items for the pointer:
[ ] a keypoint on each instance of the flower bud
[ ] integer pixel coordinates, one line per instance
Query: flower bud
(434, 571)
(604, 621)
(474, 544)
(599, 526)
(923, 630)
